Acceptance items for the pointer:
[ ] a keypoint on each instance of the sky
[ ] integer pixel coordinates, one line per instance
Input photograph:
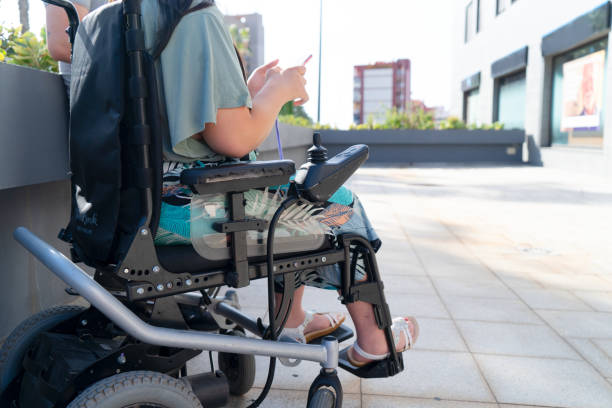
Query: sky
(355, 32)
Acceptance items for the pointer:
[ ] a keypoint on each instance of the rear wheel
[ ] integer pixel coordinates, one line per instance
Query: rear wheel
(137, 389)
(17, 343)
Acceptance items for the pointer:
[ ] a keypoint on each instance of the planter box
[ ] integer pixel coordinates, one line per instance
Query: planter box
(34, 119)
(405, 147)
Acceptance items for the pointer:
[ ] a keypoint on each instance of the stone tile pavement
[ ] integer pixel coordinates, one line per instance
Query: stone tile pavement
(508, 271)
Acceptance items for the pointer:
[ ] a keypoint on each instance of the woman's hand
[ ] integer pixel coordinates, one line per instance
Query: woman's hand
(258, 77)
(290, 83)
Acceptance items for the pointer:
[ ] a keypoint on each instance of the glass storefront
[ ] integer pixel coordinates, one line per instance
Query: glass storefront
(470, 103)
(511, 101)
(578, 96)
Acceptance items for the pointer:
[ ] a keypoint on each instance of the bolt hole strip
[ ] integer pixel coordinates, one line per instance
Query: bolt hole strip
(202, 281)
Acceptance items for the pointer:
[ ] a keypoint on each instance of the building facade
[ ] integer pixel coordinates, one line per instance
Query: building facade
(380, 87)
(256, 43)
(541, 66)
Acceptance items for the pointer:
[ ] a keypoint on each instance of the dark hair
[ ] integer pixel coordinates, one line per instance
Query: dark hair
(170, 13)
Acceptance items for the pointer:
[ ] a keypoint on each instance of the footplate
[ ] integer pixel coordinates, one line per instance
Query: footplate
(341, 334)
(376, 369)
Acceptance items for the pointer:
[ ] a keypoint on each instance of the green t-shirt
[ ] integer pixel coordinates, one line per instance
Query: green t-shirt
(200, 73)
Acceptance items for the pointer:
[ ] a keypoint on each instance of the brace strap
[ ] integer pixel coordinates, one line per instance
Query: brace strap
(365, 354)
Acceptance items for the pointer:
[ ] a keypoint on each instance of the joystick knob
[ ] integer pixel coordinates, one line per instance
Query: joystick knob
(317, 153)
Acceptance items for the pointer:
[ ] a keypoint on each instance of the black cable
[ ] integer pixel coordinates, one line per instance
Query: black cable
(212, 364)
(271, 333)
(284, 320)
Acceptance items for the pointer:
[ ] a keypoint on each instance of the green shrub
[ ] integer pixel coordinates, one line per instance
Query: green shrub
(294, 120)
(487, 126)
(302, 121)
(452, 122)
(321, 126)
(415, 118)
(25, 49)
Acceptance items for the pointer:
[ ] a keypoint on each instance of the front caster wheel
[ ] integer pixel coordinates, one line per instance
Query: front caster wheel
(322, 398)
(137, 389)
(239, 369)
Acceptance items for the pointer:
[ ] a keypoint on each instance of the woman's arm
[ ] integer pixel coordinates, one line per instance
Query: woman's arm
(240, 130)
(57, 39)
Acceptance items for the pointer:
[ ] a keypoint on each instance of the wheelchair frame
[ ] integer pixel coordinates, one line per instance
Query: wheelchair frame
(141, 279)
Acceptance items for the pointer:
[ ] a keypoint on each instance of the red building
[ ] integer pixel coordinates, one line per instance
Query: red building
(380, 87)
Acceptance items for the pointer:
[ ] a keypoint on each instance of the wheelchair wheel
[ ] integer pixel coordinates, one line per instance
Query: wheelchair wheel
(238, 368)
(18, 342)
(137, 389)
(322, 398)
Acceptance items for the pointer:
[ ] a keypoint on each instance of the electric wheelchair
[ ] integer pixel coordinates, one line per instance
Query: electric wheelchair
(154, 308)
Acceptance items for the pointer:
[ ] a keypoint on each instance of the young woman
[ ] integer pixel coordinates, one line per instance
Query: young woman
(214, 115)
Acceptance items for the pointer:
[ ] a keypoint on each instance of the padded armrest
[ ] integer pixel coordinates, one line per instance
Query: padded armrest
(237, 177)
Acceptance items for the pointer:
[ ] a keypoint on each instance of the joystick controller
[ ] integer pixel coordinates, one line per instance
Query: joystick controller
(319, 178)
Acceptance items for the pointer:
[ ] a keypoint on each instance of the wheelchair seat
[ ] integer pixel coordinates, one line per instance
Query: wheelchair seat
(227, 178)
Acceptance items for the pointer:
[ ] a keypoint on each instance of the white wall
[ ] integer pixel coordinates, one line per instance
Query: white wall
(524, 23)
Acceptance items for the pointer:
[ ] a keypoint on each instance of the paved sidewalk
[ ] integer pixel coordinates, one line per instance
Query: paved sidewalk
(508, 271)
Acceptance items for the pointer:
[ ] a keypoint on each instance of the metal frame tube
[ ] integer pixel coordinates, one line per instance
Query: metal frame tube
(123, 317)
(238, 317)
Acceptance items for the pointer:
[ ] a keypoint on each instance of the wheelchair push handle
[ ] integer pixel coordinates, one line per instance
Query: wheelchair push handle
(319, 178)
(73, 16)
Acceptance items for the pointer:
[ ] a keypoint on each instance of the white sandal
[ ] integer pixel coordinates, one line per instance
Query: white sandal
(400, 325)
(298, 332)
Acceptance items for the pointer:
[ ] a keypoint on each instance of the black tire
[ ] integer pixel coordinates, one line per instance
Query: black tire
(238, 368)
(137, 389)
(17, 343)
(322, 398)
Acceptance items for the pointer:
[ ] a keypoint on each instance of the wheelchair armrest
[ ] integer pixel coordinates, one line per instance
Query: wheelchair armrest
(237, 177)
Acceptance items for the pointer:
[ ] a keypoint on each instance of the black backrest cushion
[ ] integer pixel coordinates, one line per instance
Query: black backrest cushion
(97, 104)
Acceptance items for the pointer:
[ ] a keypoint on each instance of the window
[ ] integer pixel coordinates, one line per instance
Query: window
(502, 5)
(470, 107)
(469, 22)
(578, 96)
(511, 101)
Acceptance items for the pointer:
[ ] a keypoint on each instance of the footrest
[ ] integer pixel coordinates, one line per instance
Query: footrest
(376, 369)
(341, 334)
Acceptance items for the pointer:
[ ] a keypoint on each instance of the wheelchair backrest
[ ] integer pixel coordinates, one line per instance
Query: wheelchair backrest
(116, 128)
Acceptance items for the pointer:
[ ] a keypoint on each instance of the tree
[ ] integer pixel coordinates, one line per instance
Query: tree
(23, 15)
(241, 37)
(298, 111)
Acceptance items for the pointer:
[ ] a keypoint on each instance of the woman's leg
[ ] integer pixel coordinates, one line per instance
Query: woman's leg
(346, 215)
(369, 337)
(298, 314)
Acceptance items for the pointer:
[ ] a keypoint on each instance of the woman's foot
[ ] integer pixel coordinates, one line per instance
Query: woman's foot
(306, 326)
(364, 351)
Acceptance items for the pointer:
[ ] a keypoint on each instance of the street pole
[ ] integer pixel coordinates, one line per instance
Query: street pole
(320, 46)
